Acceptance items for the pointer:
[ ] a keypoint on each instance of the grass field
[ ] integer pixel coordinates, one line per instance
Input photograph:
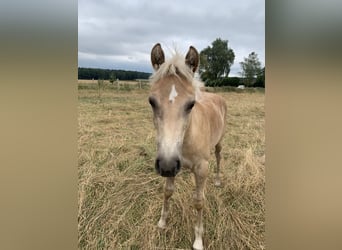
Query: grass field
(122, 82)
(120, 195)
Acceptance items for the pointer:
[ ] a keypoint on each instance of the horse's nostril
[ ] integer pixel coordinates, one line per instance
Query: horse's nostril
(157, 165)
(167, 167)
(178, 165)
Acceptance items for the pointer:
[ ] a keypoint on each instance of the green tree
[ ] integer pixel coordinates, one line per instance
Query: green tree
(216, 60)
(251, 68)
(112, 77)
(260, 81)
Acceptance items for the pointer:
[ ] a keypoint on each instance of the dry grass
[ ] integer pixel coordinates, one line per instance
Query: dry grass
(120, 195)
(85, 81)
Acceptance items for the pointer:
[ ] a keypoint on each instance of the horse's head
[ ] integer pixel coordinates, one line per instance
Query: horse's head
(172, 98)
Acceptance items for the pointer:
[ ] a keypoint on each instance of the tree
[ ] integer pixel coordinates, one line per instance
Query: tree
(112, 78)
(216, 60)
(110, 74)
(260, 81)
(251, 68)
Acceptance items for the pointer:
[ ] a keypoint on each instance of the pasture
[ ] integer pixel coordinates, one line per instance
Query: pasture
(121, 196)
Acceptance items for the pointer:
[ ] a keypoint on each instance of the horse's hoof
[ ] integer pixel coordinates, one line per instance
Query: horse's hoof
(161, 224)
(197, 248)
(217, 183)
(198, 245)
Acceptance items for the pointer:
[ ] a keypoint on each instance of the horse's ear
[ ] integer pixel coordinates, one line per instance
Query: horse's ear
(192, 59)
(157, 56)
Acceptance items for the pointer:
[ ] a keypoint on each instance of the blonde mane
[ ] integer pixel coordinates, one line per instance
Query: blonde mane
(176, 67)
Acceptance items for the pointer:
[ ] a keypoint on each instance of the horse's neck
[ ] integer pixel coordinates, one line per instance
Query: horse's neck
(196, 126)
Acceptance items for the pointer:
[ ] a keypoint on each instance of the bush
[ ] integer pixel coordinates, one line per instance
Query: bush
(259, 83)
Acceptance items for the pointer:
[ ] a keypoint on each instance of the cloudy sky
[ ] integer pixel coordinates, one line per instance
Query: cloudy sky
(120, 34)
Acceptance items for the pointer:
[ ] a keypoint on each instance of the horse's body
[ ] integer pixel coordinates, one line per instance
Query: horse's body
(189, 124)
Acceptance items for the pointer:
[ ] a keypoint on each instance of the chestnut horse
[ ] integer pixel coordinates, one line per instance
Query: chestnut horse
(189, 124)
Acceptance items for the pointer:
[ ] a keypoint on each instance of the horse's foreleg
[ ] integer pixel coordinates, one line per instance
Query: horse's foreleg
(218, 149)
(201, 173)
(168, 191)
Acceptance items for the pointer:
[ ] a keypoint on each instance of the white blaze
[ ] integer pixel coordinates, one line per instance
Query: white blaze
(173, 94)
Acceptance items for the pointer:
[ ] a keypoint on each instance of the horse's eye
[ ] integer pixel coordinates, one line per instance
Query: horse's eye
(189, 106)
(152, 101)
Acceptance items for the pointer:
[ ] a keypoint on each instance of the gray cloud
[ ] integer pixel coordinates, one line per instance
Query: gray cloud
(120, 34)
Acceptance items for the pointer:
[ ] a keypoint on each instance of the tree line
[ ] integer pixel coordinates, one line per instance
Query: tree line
(110, 74)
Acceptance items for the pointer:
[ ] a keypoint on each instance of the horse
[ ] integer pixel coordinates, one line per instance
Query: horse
(189, 123)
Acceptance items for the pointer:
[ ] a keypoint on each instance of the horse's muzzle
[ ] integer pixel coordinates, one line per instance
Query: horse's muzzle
(167, 167)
